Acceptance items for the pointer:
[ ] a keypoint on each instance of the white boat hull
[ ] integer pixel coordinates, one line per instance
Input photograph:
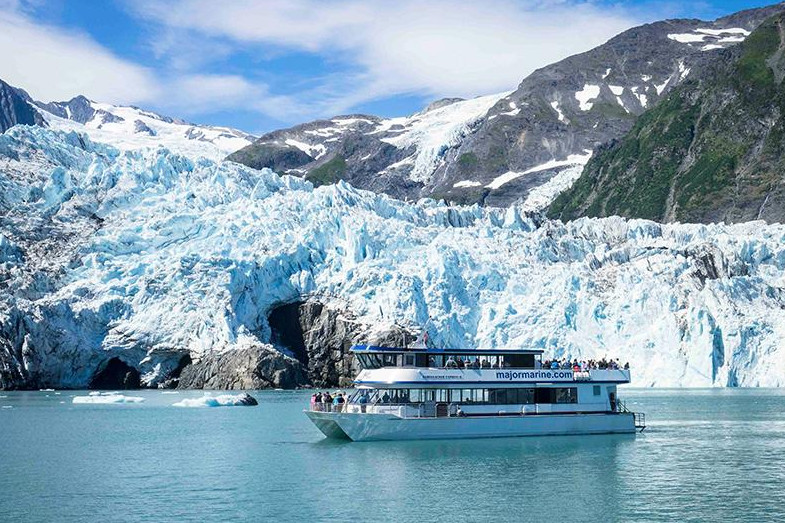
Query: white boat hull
(379, 427)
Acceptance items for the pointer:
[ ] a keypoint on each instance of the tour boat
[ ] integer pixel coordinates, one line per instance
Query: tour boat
(406, 394)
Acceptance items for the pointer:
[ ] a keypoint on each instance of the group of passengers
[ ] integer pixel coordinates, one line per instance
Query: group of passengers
(584, 365)
(326, 402)
(475, 363)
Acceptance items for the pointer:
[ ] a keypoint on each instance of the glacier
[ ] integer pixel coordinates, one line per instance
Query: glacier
(147, 255)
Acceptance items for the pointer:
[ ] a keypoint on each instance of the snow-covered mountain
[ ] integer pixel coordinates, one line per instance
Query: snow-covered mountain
(124, 127)
(156, 265)
(495, 150)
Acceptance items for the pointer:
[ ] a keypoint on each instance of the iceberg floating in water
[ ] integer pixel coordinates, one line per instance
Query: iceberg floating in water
(106, 398)
(223, 400)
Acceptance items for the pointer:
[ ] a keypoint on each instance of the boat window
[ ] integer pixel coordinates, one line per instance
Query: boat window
(409, 360)
(567, 395)
(376, 361)
(597, 390)
(497, 396)
(388, 360)
(367, 361)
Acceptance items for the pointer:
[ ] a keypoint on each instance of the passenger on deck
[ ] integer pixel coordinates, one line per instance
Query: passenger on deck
(363, 401)
(460, 363)
(486, 364)
(319, 401)
(327, 401)
(338, 402)
(385, 398)
(451, 364)
(459, 412)
(475, 364)
(554, 364)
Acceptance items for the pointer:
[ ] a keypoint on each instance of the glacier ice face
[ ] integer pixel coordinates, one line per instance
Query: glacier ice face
(146, 255)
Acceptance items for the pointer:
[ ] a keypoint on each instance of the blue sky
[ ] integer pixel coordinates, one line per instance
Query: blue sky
(263, 64)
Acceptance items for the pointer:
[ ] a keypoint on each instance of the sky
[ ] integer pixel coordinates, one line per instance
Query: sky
(259, 65)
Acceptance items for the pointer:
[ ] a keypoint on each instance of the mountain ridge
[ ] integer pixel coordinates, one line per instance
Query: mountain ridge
(710, 152)
(126, 127)
(559, 111)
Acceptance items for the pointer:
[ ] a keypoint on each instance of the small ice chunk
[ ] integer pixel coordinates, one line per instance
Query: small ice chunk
(223, 400)
(106, 398)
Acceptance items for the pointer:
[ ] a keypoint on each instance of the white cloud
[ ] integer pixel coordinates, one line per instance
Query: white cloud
(377, 48)
(55, 64)
(435, 48)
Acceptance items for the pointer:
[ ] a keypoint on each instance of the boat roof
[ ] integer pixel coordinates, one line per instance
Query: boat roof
(469, 352)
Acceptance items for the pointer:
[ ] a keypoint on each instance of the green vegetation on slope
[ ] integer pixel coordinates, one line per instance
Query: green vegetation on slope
(710, 151)
(329, 172)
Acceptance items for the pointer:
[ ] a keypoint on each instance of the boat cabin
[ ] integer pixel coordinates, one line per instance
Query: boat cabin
(377, 357)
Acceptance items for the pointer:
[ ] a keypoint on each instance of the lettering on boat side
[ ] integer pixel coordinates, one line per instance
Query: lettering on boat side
(552, 375)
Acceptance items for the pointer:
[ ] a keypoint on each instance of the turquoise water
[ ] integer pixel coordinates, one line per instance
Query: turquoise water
(708, 455)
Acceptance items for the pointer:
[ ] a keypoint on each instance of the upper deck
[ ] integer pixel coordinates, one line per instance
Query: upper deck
(375, 357)
(387, 367)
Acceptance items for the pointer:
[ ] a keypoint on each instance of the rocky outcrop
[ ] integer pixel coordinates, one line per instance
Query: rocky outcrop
(258, 367)
(15, 109)
(323, 336)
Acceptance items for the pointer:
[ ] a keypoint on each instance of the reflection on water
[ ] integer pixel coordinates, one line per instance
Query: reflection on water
(708, 455)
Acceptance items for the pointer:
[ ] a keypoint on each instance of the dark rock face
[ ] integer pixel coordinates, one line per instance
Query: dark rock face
(712, 151)
(257, 367)
(281, 159)
(15, 109)
(115, 374)
(322, 336)
(542, 120)
(143, 128)
(77, 109)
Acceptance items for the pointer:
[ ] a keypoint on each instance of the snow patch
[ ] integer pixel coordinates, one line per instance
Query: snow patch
(573, 159)
(585, 95)
(683, 71)
(730, 30)
(466, 183)
(559, 113)
(314, 151)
